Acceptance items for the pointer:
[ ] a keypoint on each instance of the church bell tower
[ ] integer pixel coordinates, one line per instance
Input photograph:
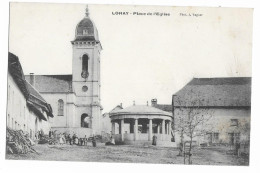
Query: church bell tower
(86, 75)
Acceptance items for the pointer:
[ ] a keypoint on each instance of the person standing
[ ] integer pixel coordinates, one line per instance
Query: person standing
(76, 140)
(49, 134)
(85, 140)
(154, 140)
(69, 139)
(60, 139)
(73, 138)
(94, 143)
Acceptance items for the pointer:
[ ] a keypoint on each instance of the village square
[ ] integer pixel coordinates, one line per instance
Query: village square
(61, 117)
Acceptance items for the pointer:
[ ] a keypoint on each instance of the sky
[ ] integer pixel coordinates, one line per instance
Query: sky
(143, 57)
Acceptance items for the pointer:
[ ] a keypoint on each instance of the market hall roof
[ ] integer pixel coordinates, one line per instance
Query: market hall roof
(52, 83)
(216, 92)
(140, 110)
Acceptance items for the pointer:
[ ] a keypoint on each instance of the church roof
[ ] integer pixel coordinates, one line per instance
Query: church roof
(140, 110)
(52, 83)
(216, 92)
(86, 30)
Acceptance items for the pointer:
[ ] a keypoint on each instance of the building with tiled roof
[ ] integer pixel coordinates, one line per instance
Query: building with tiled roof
(75, 98)
(228, 99)
(217, 92)
(27, 110)
(51, 83)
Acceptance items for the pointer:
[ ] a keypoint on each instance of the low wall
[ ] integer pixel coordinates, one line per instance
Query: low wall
(129, 137)
(149, 143)
(141, 137)
(81, 132)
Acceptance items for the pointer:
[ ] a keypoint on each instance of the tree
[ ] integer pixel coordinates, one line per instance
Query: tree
(191, 118)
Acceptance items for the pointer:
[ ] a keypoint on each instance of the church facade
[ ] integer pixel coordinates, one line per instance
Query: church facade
(75, 98)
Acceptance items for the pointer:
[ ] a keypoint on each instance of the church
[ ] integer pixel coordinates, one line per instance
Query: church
(75, 98)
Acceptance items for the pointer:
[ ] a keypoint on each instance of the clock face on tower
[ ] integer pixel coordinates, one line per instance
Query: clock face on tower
(84, 74)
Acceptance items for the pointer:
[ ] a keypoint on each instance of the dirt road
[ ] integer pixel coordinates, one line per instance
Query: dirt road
(128, 154)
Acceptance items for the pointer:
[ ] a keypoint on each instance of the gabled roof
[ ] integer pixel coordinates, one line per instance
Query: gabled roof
(52, 83)
(34, 92)
(216, 92)
(37, 103)
(118, 107)
(140, 110)
(164, 107)
(34, 100)
(16, 71)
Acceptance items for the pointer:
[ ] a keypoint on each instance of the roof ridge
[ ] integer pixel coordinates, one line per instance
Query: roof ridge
(42, 99)
(49, 74)
(221, 77)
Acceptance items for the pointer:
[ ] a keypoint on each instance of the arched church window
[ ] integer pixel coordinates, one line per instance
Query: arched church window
(84, 73)
(85, 120)
(60, 107)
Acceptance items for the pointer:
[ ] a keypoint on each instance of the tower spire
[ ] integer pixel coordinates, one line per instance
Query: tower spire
(87, 12)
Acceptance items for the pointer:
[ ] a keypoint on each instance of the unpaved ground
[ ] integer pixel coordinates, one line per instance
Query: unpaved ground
(129, 154)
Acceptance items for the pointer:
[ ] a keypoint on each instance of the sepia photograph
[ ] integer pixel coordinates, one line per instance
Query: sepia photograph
(129, 84)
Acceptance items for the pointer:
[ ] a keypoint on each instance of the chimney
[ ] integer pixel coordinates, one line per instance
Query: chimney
(121, 104)
(32, 79)
(134, 103)
(153, 102)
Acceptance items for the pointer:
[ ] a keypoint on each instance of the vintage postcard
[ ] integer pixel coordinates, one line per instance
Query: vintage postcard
(129, 84)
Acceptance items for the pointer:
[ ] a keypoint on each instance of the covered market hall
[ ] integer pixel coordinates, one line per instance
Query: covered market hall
(140, 123)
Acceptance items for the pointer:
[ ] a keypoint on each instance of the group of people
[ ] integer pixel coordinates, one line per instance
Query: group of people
(51, 134)
(74, 139)
(64, 138)
(39, 134)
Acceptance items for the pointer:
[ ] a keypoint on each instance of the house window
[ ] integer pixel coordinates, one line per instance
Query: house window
(8, 92)
(60, 107)
(84, 73)
(20, 108)
(234, 122)
(8, 121)
(234, 138)
(12, 100)
(215, 137)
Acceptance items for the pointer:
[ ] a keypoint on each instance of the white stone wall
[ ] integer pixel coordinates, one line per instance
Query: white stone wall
(87, 101)
(106, 125)
(221, 123)
(67, 118)
(19, 117)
